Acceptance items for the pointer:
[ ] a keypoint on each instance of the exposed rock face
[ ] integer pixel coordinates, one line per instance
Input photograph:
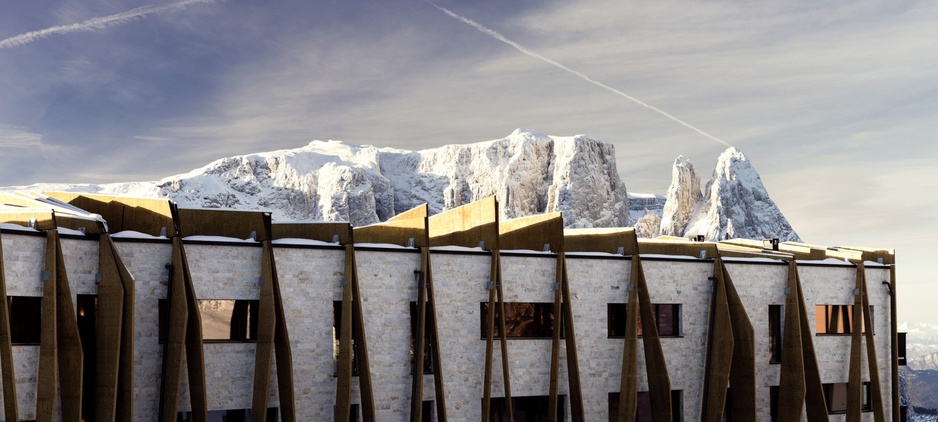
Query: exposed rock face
(736, 205)
(648, 226)
(529, 173)
(682, 198)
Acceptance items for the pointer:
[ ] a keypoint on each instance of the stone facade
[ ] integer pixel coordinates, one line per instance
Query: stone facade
(311, 279)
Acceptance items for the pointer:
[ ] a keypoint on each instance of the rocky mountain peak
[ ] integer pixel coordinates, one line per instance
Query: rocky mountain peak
(682, 198)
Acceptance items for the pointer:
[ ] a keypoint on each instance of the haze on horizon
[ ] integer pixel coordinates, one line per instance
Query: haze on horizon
(833, 103)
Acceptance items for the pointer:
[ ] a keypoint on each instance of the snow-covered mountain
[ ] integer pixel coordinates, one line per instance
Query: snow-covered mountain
(528, 172)
(735, 203)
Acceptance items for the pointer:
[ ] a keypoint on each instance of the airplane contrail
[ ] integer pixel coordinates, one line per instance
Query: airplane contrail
(98, 23)
(490, 32)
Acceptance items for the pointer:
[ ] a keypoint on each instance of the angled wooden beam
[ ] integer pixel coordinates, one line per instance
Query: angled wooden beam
(854, 380)
(502, 329)
(573, 366)
(659, 384)
(283, 352)
(324, 232)
(620, 241)
(175, 343)
(343, 393)
(815, 405)
(879, 414)
(554, 385)
(70, 354)
(10, 411)
(108, 329)
(125, 380)
(792, 387)
(743, 367)
(720, 349)
(266, 330)
(47, 382)
(416, 393)
(195, 354)
(628, 381)
(489, 341)
(358, 335)
(467, 226)
(439, 390)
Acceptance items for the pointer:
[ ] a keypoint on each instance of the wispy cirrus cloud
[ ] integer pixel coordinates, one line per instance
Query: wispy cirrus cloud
(99, 23)
(21, 138)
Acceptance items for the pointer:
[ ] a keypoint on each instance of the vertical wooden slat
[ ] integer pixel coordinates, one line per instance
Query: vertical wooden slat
(791, 396)
(876, 390)
(343, 393)
(659, 385)
(555, 345)
(628, 384)
(70, 354)
(358, 333)
(125, 378)
(854, 380)
(719, 351)
(109, 316)
(743, 368)
(266, 326)
(439, 390)
(416, 396)
(175, 342)
(506, 373)
(489, 341)
(195, 355)
(283, 351)
(10, 411)
(893, 335)
(573, 365)
(48, 349)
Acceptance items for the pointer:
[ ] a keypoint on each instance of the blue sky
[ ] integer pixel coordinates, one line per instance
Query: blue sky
(833, 102)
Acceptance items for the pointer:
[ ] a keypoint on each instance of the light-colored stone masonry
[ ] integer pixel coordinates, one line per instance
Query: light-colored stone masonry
(311, 276)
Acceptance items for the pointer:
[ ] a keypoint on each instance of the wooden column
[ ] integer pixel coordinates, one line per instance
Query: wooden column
(110, 315)
(46, 384)
(573, 366)
(628, 384)
(195, 355)
(416, 396)
(854, 379)
(489, 340)
(343, 393)
(284, 353)
(815, 406)
(439, 390)
(876, 390)
(10, 411)
(175, 342)
(125, 379)
(555, 344)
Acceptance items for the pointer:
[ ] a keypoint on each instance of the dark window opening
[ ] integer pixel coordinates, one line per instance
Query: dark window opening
(667, 318)
(835, 395)
(427, 344)
(87, 309)
(836, 319)
(775, 333)
(428, 411)
(229, 319)
(900, 345)
(25, 319)
(525, 409)
(773, 403)
(231, 415)
(643, 410)
(354, 413)
(336, 330)
(523, 320)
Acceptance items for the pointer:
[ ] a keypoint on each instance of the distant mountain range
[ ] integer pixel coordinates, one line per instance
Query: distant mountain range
(528, 172)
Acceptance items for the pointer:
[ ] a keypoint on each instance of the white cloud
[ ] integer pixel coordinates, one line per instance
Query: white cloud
(21, 138)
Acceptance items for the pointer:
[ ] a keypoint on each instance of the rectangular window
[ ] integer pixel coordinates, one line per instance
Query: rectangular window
(336, 330)
(667, 316)
(836, 319)
(87, 307)
(900, 344)
(773, 403)
(25, 319)
(428, 412)
(229, 319)
(414, 320)
(531, 408)
(523, 319)
(775, 333)
(231, 415)
(643, 412)
(835, 395)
